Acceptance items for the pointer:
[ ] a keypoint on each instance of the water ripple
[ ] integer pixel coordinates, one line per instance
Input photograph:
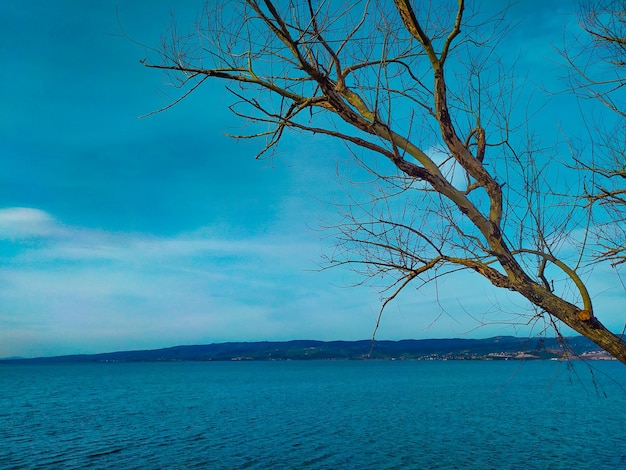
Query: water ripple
(309, 415)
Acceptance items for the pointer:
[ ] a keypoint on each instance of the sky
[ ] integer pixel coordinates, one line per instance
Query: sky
(119, 232)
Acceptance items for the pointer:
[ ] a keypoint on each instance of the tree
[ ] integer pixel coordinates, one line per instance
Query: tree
(598, 72)
(420, 97)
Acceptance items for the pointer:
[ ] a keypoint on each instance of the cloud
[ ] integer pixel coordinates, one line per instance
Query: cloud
(448, 166)
(25, 222)
(84, 290)
(95, 290)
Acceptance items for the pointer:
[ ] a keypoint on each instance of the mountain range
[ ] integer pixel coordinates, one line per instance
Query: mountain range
(499, 347)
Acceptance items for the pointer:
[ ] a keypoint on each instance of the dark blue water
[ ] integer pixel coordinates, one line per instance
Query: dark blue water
(314, 415)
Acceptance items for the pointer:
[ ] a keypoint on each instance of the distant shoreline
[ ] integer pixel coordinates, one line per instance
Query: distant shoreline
(496, 348)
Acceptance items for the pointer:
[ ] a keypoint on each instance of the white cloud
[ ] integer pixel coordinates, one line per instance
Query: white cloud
(92, 289)
(82, 290)
(25, 222)
(448, 166)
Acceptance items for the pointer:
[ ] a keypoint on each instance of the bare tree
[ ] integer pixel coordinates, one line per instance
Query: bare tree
(420, 97)
(597, 62)
(600, 65)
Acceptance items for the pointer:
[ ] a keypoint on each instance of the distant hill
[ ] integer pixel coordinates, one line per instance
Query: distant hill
(500, 347)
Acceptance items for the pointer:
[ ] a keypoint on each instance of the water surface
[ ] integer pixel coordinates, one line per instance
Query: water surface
(314, 415)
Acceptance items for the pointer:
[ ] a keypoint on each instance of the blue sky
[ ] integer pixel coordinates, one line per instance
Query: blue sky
(125, 233)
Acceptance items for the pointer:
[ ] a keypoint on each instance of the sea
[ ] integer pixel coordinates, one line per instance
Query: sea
(314, 415)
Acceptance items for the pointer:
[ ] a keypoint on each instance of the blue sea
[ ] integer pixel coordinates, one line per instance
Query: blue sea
(314, 415)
